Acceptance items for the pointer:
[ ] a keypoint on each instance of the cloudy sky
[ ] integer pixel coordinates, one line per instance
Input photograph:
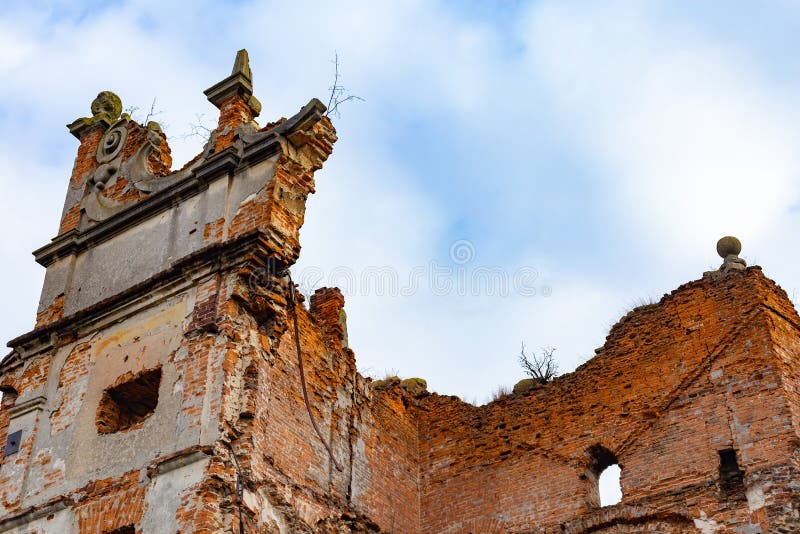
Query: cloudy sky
(581, 157)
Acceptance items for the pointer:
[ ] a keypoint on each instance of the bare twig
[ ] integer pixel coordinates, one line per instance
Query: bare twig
(199, 129)
(543, 367)
(339, 94)
(133, 111)
(152, 113)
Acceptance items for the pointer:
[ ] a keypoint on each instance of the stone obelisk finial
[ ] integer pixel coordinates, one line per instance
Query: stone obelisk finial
(729, 248)
(237, 105)
(242, 65)
(238, 84)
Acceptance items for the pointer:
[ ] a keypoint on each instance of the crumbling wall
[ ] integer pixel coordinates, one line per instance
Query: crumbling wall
(66, 457)
(386, 474)
(203, 320)
(177, 382)
(675, 384)
(292, 483)
(710, 369)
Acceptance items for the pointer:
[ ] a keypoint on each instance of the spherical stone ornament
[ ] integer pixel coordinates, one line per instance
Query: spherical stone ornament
(729, 246)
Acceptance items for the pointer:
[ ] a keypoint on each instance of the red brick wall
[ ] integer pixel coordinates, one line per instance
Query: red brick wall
(373, 436)
(386, 473)
(233, 113)
(712, 367)
(674, 384)
(85, 164)
(110, 504)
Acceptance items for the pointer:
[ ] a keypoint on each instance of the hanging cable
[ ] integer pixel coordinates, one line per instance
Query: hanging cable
(293, 311)
(239, 487)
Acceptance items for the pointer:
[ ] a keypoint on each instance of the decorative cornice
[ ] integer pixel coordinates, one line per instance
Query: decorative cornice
(182, 458)
(253, 246)
(84, 125)
(235, 84)
(216, 165)
(240, 82)
(31, 514)
(21, 408)
(255, 148)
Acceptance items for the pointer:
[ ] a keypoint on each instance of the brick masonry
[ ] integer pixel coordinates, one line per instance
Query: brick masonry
(712, 367)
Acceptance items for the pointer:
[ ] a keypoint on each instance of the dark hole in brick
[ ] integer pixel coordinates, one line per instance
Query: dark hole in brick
(128, 403)
(601, 458)
(251, 377)
(731, 477)
(127, 529)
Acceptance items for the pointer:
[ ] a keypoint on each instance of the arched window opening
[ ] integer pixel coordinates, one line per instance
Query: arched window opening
(8, 444)
(606, 473)
(609, 485)
(7, 396)
(731, 476)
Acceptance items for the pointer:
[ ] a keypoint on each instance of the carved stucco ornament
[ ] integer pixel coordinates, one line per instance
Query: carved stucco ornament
(107, 104)
(108, 155)
(136, 169)
(99, 208)
(106, 108)
(113, 141)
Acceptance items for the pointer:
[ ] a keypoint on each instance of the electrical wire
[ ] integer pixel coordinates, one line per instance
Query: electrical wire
(293, 311)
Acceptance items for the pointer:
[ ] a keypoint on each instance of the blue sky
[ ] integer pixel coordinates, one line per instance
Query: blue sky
(605, 145)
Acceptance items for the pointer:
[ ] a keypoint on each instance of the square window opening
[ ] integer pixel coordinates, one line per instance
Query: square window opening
(126, 405)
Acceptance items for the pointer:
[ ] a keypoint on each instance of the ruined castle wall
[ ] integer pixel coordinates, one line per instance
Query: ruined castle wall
(151, 246)
(294, 486)
(161, 389)
(386, 462)
(664, 400)
(674, 385)
(63, 450)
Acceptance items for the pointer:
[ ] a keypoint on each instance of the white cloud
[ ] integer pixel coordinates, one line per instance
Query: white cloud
(16, 48)
(27, 226)
(689, 141)
(693, 142)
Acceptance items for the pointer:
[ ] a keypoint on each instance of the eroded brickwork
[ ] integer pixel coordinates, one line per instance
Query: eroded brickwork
(254, 424)
(675, 384)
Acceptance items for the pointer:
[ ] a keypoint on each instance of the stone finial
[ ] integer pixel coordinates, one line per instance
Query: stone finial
(108, 104)
(106, 109)
(242, 65)
(729, 248)
(240, 83)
